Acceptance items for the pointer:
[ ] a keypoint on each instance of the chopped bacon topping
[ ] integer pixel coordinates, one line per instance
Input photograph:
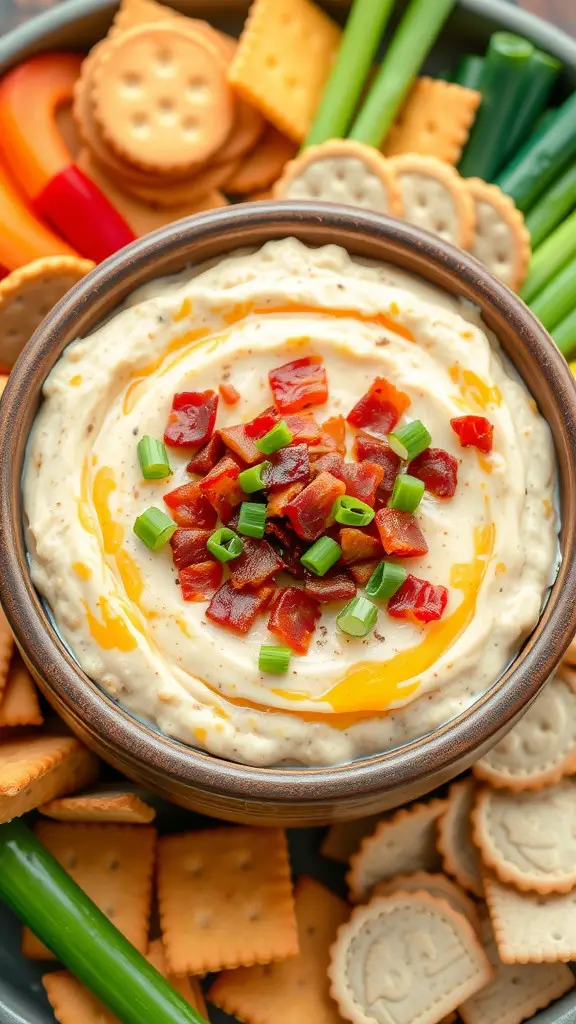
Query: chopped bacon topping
(334, 586)
(438, 471)
(357, 545)
(288, 466)
(418, 599)
(474, 432)
(333, 436)
(222, 489)
(362, 571)
(229, 394)
(257, 563)
(400, 533)
(289, 545)
(304, 427)
(200, 581)
(189, 547)
(379, 410)
(240, 444)
(207, 457)
(189, 507)
(379, 452)
(192, 419)
(277, 502)
(293, 619)
(261, 424)
(362, 479)
(310, 511)
(237, 609)
(299, 384)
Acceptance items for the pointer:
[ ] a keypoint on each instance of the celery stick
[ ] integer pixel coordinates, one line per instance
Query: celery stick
(550, 257)
(413, 40)
(542, 158)
(364, 28)
(469, 71)
(539, 79)
(46, 898)
(552, 207)
(556, 300)
(564, 335)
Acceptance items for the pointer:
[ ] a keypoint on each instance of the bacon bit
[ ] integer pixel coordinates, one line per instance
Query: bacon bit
(334, 586)
(438, 471)
(189, 547)
(192, 419)
(278, 501)
(229, 394)
(237, 609)
(293, 619)
(379, 452)
(474, 432)
(189, 507)
(298, 384)
(291, 548)
(207, 457)
(334, 434)
(417, 599)
(362, 479)
(310, 511)
(400, 533)
(241, 444)
(379, 410)
(304, 427)
(199, 582)
(331, 462)
(255, 565)
(222, 489)
(261, 424)
(362, 571)
(288, 466)
(357, 545)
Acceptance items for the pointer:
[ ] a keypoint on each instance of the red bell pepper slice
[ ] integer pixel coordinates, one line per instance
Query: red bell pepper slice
(334, 586)
(257, 563)
(474, 432)
(400, 533)
(200, 581)
(191, 422)
(277, 502)
(261, 424)
(379, 452)
(236, 610)
(229, 394)
(189, 547)
(288, 466)
(379, 410)
(357, 546)
(362, 571)
(310, 511)
(299, 384)
(207, 457)
(438, 471)
(189, 507)
(418, 599)
(221, 488)
(293, 619)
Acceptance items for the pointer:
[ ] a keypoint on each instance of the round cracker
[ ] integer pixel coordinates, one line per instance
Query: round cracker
(501, 239)
(161, 97)
(437, 885)
(264, 165)
(192, 190)
(435, 197)
(28, 294)
(460, 857)
(342, 171)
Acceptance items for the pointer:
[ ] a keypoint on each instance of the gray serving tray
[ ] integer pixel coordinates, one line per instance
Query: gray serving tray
(78, 24)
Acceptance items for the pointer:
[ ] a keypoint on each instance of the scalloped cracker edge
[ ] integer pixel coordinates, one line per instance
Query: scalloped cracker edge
(506, 256)
(435, 120)
(460, 857)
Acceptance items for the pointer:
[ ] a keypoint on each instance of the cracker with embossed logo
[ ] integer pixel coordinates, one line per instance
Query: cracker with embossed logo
(530, 927)
(540, 749)
(460, 857)
(437, 885)
(408, 957)
(529, 839)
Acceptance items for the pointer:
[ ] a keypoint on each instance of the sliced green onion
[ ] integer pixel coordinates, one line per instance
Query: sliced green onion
(224, 544)
(323, 554)
(275, 439)
(274, 659)
(153, 458)
(386, 579)
(407, 494)
(351, 511)
(154, 527)
(410, 441)
(358, 617)
(252, 519)
(252, 479)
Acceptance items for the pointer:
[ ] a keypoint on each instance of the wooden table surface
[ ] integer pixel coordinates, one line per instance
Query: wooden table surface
(561, 12)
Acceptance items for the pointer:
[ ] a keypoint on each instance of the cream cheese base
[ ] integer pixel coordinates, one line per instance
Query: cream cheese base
(118, 605)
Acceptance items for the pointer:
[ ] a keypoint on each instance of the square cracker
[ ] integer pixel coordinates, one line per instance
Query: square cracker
(283, 61)
(36, 768)
(296, 990)
(225, 899)
(114, 866)
(6, 642)
(103, 805)
(435, 120)
(19, 703)
(529, 927)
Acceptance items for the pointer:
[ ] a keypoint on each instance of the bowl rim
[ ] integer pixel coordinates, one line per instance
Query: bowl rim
(225, 230)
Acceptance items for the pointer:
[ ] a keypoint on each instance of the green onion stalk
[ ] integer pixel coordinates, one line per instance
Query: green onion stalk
(564, 334)
(45, 897)
(469, 71)
(552, 207)
(538, 81)
(549, 258)
(556, 300)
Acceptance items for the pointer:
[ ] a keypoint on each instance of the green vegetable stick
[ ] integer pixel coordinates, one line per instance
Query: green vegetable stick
(539, 78)
(414, 38)
(46, 898)
(469, 71)
(564, 334)
(550, 257)
(501, 87)
(556, 300)
(542, 158)
(552, 207)
(364, 28)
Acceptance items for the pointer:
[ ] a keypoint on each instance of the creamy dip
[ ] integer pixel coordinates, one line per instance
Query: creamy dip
(118, 605)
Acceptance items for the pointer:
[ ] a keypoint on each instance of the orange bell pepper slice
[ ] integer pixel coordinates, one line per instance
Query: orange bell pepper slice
(22, 236)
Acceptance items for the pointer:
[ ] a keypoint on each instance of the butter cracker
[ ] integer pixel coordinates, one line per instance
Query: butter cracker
(35, 768)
